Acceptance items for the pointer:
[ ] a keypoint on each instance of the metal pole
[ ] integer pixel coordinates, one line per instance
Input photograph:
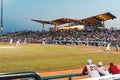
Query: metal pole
(43, 27)
(1, 26)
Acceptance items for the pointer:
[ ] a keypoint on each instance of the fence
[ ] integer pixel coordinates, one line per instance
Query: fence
(69, 76)
(20, 76)
(34, 76)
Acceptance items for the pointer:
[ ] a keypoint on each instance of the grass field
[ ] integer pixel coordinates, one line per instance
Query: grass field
(37, 57)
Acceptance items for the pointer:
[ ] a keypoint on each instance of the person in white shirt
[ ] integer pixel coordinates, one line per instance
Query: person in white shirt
(11, 41)
(43, 42)
(91, 69)
(108, 46)
(102, 70)
(25, 41)
(18, 43)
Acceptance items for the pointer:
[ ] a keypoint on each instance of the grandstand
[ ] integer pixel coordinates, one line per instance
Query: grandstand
(77, 32)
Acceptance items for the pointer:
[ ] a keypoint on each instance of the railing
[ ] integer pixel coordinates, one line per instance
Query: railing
(69, 76)
(34, 76)
(20, 76)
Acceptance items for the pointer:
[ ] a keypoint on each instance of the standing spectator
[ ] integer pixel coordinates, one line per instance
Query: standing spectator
(25, 41)
(117, 48)
(108, 46)
(43, 42)
(102, 70)
(114, 69)
(91, 69)
(11, 41)
(18, 43)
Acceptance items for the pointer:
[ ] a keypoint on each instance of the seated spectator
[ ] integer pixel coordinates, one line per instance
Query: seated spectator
(114, 69)
(91, 69)
(102, 70)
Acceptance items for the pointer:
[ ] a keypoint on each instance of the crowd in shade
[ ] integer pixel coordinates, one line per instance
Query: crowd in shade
(71, 37)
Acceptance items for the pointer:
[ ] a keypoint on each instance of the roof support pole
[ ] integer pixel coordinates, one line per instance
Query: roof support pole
(55, 27)
(103, 24)
(1, 23)
(69, 24)
(43, 27)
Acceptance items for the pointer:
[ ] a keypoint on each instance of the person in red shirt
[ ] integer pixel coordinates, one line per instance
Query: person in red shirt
(113, 69)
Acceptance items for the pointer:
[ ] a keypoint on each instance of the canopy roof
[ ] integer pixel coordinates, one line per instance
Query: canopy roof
(57, 21)
(63, 21)
(98, 18)
(90, 20)
(41, 21)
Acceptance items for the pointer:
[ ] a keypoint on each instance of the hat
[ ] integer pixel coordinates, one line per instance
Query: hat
(89, 61)
(100, 64)
(111, 64)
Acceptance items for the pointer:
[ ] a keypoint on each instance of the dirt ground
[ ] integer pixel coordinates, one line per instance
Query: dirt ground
(72, 71)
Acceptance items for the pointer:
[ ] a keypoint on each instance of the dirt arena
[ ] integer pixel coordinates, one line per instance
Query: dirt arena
(72, 71)
(6, 47)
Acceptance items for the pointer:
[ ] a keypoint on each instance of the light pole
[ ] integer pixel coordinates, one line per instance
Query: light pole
(1, 24)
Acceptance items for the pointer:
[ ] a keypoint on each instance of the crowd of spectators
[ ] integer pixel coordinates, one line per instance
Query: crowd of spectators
(72, 37)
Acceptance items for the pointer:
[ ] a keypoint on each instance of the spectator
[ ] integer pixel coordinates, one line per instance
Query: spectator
(18, 43)
(25, 41)
(102, 70)
(11, 41)
(117, 48)
(91, 69)
(108, 46)
(114, 69)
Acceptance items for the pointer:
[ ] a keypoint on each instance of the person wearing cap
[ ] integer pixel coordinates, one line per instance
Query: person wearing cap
(90, 69)
(113, 69)
(102, 70)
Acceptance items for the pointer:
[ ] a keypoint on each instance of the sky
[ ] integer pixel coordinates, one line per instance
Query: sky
(18, 13)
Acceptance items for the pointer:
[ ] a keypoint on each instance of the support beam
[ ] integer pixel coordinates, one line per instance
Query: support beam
(1, 24)
(43, 27)
(103, 22)
(55, 27)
